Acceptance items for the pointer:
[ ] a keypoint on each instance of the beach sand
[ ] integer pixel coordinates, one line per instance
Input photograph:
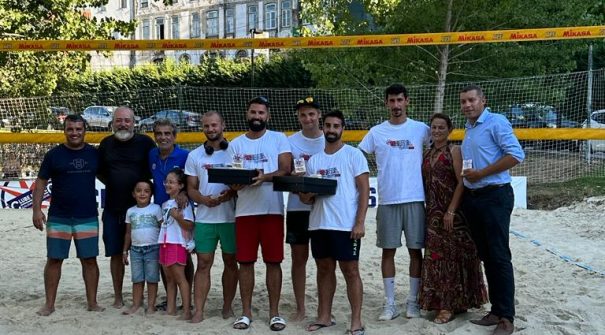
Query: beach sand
(553, 295)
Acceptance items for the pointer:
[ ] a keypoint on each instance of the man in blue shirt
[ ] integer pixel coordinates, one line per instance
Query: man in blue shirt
(166, 156)
(489, 150)
(72, 169)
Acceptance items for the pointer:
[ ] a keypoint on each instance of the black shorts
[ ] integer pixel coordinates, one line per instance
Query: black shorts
(297, 227)
(334, 244)
(114, 231)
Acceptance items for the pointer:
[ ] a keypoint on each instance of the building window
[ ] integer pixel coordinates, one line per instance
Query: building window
(212, 23)
(185, 58)
(270, 16)
(252, 17)
(144, 3)
(175, 27)
(229, 21)
(196, 28)
(145, 29)
(123, 3)
(159, 28)
(286, 13)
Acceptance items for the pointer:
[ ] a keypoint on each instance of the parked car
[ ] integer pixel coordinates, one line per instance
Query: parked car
(597, 121)
(535, 115)
(99, 116)
(184, 120)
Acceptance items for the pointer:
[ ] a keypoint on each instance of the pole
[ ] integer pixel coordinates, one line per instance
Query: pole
(589, 100)
(252, 33)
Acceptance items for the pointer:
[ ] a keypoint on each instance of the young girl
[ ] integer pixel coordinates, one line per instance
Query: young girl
(175, 233)
(142, 230)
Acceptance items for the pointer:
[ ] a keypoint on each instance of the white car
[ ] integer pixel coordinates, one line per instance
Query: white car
(597, 121)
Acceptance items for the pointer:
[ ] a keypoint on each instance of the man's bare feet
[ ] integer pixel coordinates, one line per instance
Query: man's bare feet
(118, 303)
(45, 311)
(150, 310)
(131, 310)
(95, 308)
(228, 313)
(197, 318)
(297, 316)
(185, 316)
(169, 312)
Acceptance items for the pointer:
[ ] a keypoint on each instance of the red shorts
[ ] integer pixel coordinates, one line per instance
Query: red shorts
(264, 230)
(171, 254)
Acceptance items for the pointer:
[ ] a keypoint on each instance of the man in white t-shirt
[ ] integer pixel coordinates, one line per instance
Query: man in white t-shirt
(304, 144)
(398, 146)
(215, 215)
(337, 222)
(259, 213)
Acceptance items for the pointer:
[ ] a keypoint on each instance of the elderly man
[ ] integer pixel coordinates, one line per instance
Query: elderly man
(123, 160)
(73, 211)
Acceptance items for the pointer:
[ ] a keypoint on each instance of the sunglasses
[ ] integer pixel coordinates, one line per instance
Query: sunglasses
(308, 100)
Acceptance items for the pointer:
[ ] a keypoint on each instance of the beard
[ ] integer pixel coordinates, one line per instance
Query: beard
(332, 137)
(123, 134)
(213, 137)
(257, 125)
(396, 112)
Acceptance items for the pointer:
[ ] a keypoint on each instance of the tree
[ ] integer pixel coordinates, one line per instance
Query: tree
(37, 73)
(439, 64)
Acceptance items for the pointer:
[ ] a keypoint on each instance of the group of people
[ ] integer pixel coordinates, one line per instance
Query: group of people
(452, 201)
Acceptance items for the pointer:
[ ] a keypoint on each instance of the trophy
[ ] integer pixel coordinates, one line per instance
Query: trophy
(300, 165)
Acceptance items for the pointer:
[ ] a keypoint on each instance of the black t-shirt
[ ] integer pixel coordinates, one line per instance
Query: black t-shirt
(72, 174)
(122, 164)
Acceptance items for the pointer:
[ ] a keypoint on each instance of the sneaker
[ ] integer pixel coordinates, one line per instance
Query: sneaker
(412, 310)
(389, 313)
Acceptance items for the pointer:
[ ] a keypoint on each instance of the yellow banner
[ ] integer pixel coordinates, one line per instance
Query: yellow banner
(470, 37)
(348, 136)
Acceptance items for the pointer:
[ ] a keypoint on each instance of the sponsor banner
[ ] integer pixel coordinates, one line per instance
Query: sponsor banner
(18, 193)
(519, 35)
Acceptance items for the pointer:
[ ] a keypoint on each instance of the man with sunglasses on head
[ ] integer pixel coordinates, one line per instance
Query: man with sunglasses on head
(304, 144)
(259, 214)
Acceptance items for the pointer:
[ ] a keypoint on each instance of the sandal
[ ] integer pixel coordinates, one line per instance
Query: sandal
(358, 331)
(444, 316)
(277, 323)
(243, 322)
(315, 326)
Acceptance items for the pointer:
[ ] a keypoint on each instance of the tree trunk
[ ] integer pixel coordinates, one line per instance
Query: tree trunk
(444, 52)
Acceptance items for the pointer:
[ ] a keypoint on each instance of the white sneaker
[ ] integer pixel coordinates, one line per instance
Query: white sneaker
(389, 313)
(412, 310)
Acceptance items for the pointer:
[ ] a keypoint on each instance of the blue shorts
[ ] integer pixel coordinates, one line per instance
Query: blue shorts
(145, 263)
(114, 230)
(334, 244)
(60, 231)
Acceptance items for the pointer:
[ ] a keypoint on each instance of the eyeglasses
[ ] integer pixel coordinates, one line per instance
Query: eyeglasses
(308, 100)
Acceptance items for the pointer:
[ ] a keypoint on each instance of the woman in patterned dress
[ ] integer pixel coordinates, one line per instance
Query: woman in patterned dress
(452, 280)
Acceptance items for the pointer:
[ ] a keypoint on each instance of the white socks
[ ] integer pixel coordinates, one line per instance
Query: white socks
(389, 290)
(414, 288)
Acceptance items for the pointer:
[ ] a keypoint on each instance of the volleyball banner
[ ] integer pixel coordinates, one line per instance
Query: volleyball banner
(393, 40)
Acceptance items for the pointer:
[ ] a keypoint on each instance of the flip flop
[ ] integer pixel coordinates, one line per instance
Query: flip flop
(241, 323)
(358, 331)
(317, 326)
(277, 324)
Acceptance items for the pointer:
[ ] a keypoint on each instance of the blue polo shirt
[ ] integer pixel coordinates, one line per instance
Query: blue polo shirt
(160, 167)
(486, 142)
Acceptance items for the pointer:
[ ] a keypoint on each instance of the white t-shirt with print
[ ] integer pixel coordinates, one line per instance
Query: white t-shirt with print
(398, 150)
(337, 212)
(171, 231)
(144, 224)
(303, 147)
(197, 165)
(260, 153)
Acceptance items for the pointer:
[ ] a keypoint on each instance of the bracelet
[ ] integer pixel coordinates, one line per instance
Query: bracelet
(451, 212)
(125, 252)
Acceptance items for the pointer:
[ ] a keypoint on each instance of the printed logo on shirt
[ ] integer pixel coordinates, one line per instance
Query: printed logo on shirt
(79, 163)
(401, 144)
(210, 166)
(329, 173)
(256, 158)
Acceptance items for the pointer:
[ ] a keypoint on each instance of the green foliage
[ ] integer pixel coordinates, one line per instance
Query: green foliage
(37, 73)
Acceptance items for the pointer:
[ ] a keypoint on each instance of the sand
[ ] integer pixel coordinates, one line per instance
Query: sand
(553, 294)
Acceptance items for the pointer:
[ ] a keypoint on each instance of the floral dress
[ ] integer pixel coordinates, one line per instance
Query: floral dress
(451, 270)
